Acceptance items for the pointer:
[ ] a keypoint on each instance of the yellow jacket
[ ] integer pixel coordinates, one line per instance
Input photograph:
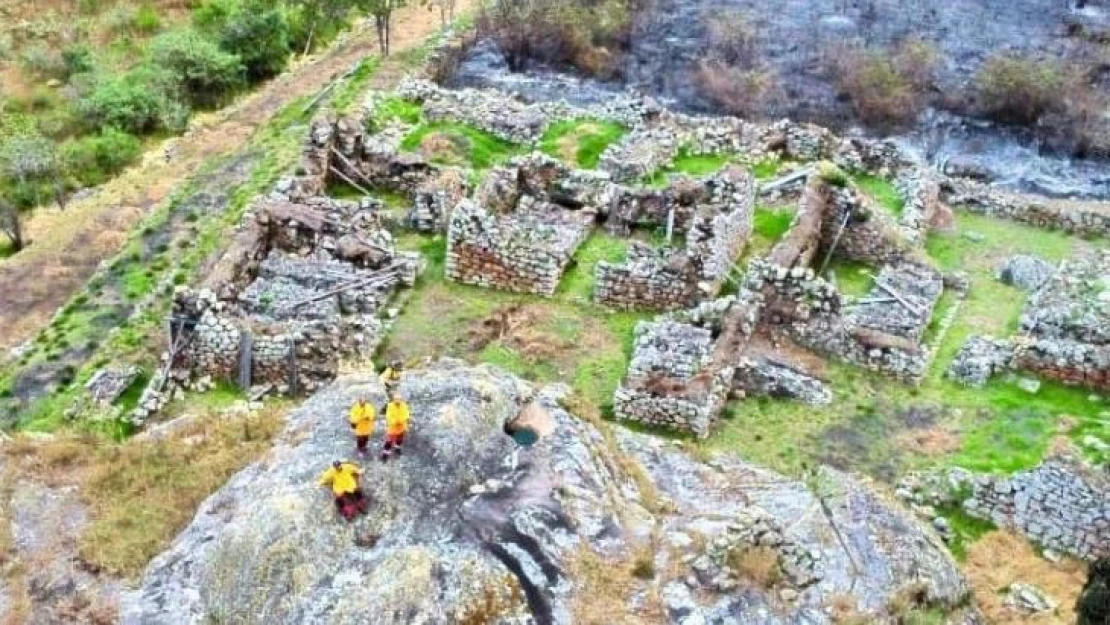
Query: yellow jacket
(389, 377)
(342, 480)
(396, 417)
(362, 417)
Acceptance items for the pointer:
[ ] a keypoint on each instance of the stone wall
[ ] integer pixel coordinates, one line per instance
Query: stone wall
(870, 235)
(1082, 218)
(671, 382)
(525, 252)
(1060, 504)
(715, 234)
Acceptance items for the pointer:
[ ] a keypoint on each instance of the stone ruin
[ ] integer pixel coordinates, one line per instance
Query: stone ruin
(697, 358)
(518, 229)
(303, 285)
(1064, 333)
(1060, 503)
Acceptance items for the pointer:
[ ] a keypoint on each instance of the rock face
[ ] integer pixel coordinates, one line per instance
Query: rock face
(468, 526)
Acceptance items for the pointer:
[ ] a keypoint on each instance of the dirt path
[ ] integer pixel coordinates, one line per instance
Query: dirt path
(69, 245)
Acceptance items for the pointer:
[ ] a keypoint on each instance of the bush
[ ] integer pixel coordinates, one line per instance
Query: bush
(42, 61)
(581, 33)
(94, 159)
(739, 91)
(146, 20)
(78, 59)
(141, 100)
(254, 30)
(206, 73)
(879, 93)
(1019, 90)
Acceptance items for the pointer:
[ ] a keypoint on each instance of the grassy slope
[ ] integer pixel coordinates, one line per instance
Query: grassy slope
(453, 143)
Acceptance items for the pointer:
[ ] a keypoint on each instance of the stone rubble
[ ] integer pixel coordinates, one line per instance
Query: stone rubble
(1027, 273)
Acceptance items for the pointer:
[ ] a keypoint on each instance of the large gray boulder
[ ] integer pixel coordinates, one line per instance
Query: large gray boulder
(468, 526)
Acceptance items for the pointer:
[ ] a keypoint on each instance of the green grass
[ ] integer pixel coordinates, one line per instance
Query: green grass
(578, 281)
(767, 168)
(853, 279)
(880, 190)
(347, 93)
(565, 338)
(966, 529)
(459, 144)
(580, 141)
(6, 247)
(696, 165)
(399, 109)
(771, 223)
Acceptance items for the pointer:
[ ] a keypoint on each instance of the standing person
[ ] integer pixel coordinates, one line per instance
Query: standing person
(342, 477)
(362, 422)
(396, 424)
(391, 377)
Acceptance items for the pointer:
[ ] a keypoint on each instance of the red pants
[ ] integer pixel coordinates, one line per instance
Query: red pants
(350, 504)
(393, 443)
(361, 441)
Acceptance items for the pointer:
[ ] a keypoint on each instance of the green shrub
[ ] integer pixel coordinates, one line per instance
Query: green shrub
(78, 59)
(206, 73)
(141, 100)
(1020, 90)
(93, 159)
(146, 20)
(254, 30)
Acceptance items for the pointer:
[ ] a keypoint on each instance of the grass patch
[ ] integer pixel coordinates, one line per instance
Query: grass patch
(452, 143)
(578, 281)
(882, 191)
(771, 223)
(394, 108)
(580, 141)
(966, 529)
(142, 493)
(346, 94)
(685, 162)
(767, 168)
(853, 278)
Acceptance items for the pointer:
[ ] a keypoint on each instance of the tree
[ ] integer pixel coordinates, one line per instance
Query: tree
(382, 10)
(446, 10)
(30, 163)
(206, 73)
(11, 225)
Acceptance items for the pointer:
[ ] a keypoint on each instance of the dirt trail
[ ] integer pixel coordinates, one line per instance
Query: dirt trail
(67, 246)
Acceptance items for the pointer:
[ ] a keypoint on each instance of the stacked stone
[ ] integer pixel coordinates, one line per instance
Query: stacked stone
(523, 252)
(666, 384)
(794, 294)
(1085, 219)
(649, 279)
(434, 199)
(278, 298)
(642, 151)
(106, 385)
(1060, 504)
(871, 235)
(919, 286)
(754, 528)
(980, 358)
(270, 358)
(1025, 272)
(759, 377)
(718, 232)
(921, 192)
(1067, 325)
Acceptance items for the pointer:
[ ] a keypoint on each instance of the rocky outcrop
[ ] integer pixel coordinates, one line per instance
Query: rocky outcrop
(469, 526)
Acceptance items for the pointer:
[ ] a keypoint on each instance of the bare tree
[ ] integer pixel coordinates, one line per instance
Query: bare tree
(446, 10)
(11, 225)
(382, 10)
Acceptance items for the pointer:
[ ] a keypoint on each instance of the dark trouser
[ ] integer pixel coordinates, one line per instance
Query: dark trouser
(350, 504)
(392, 444)
(361, 442)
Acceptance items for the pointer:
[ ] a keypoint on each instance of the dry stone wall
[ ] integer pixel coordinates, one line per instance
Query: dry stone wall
(1060, 504)
(1081, 218)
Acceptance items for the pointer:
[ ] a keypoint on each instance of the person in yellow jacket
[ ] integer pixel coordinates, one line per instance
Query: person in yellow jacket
(391, 376)
(396, 425)
(342, 477)
(361, 419)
